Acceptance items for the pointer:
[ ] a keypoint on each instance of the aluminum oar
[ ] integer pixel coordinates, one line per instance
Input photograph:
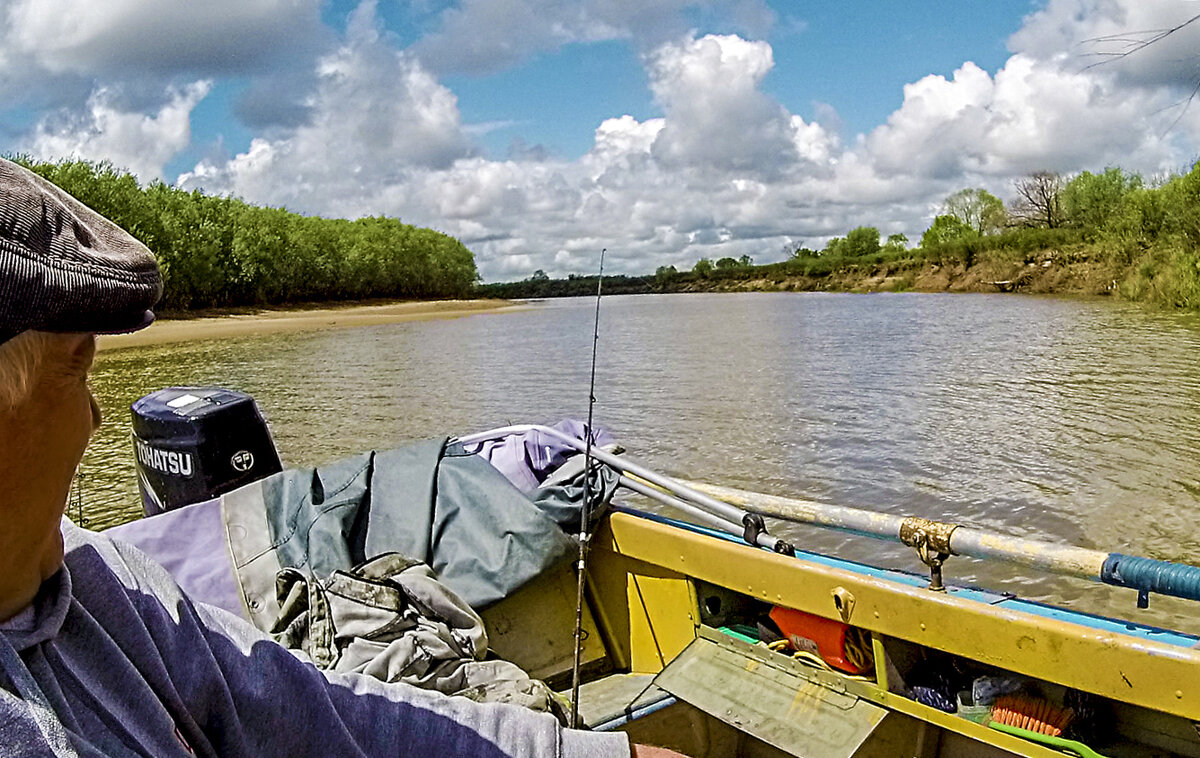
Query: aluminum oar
(1142, 574)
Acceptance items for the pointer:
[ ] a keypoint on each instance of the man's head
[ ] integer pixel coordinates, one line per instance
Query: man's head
(66, 273)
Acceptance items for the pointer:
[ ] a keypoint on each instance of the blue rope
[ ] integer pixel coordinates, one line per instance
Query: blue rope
(1150, 575)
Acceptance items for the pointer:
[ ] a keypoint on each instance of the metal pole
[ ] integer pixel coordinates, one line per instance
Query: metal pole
(716, 522)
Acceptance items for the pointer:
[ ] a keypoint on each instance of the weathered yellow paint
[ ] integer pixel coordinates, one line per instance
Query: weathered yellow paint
(650, 613)
(881, 674)
(1124, 668)
(616, 643)
(662, 620)
(607, 579)
(550, 598)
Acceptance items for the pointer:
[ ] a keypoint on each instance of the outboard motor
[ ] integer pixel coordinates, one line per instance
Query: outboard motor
(195, 444)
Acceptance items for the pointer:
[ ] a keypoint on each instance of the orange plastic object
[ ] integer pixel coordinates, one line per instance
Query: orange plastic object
(1032, 714)
(814, 634)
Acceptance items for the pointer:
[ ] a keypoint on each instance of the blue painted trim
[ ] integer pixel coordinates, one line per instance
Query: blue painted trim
(1008, 602)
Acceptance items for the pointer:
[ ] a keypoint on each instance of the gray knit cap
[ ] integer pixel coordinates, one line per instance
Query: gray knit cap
(64, 267)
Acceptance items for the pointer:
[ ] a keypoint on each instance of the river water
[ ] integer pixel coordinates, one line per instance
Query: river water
(1070, 420)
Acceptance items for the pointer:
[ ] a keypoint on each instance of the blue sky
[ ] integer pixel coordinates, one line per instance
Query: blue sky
(855, 57)
(540, 130)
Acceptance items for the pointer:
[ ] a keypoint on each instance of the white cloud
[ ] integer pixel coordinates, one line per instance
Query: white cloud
(1101, 32)
(375, 117)
(140, 142)
(716, 117)
(165, 36)
(724, 170)
(1032, 115)
(483, 36)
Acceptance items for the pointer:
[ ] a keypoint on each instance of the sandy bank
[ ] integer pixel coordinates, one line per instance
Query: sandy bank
(273, 321)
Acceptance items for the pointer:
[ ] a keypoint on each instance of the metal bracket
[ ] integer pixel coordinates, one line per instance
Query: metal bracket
(931, 539)
(755, 526)
(843, 600)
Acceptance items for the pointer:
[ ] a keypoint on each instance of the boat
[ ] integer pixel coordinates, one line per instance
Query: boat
(704, 632)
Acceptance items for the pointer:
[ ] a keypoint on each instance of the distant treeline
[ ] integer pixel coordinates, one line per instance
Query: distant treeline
(221, 251)
(1146, 236)
(572, 286)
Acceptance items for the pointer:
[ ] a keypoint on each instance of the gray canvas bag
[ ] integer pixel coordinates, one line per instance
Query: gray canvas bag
(390, 618)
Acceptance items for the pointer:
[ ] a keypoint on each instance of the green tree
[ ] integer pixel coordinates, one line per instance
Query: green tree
(745, 261)
(945, 229)
(539, 276)
(978, 209)
(861, 241)
(703, 268)
(220, 251)
(1090, 200)
(724, 264)
(896, 243)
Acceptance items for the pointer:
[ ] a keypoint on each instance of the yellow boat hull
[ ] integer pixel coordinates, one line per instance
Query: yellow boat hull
(655, 588)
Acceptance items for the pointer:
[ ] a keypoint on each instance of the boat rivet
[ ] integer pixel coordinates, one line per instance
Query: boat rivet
(922, 627)
(1179, 693)
(876, 614)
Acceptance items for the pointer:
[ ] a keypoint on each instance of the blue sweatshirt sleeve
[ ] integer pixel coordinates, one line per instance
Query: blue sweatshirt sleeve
(248, 695)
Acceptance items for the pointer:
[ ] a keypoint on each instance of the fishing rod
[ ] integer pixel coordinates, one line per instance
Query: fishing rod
(584, 536)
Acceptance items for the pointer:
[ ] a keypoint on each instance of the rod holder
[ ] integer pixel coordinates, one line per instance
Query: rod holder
(935, 571)
(931, 539)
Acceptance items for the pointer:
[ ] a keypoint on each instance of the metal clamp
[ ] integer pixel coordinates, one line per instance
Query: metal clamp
(932, 542)
(756, 527)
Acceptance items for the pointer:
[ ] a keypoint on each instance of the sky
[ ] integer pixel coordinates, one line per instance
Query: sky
(541, 131)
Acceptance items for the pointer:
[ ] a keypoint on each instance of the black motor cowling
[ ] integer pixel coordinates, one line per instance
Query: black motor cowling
(194, 444)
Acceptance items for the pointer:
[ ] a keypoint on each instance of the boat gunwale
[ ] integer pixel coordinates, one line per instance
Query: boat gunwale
(1013, 636)
(1006, 600)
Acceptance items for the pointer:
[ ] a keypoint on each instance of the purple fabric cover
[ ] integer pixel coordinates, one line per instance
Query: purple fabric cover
(527, 459)
(190, 544)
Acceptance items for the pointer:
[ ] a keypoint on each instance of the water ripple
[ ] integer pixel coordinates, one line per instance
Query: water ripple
(1070, 420)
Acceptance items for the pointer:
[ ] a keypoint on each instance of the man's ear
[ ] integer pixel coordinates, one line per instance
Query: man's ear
(80, 346)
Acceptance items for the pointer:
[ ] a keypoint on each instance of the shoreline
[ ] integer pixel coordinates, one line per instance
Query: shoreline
(261, 321)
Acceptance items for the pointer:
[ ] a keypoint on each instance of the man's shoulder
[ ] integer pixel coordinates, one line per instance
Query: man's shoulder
(115, 580)
(100, 566)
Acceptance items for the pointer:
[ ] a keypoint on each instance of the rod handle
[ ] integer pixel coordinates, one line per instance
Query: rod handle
(1151, 575)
